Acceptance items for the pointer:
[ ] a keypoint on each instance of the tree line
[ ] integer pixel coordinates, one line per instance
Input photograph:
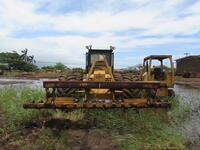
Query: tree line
(23, 62)
(15, 61)
(60, 66)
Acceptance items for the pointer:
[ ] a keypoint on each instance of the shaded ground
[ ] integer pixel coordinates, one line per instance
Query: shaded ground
(83, 134)
(90, 139)
(2, 120)
(59, 134)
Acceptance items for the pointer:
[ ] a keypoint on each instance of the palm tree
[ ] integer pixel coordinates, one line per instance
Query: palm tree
(24, 56)
(31, 59)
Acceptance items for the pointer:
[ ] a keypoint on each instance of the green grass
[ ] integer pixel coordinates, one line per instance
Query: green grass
(11, 103)
(179, 112)
(1, 131)
(48, 139)
(143, 129)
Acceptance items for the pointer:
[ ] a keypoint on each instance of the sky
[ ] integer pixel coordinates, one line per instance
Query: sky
(59, 30)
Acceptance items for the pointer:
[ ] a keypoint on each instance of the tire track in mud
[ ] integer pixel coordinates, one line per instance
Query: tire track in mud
(84, 145)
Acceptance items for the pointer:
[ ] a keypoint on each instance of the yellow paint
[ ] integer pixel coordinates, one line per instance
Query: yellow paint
(168, 82)
(163, 91)
(99, 91)
(63, 100)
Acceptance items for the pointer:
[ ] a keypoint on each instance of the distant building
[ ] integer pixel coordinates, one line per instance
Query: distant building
(188, 66)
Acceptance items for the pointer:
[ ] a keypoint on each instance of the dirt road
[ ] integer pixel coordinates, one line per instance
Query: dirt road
(193, 82)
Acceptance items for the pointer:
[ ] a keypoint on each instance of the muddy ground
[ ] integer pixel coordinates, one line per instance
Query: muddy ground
(193, 82)
(2, 120)
(36, 79)
(32, 75)
(76, 135)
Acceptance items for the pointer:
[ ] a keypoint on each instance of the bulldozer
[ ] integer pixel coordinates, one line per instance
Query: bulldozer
(101, 87)
(159, 73)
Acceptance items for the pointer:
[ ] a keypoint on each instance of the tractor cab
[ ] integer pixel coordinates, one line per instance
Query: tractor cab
(158, 68)
(99, 56)
(99, 64)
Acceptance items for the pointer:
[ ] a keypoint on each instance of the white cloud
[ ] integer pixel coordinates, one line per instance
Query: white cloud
(152, 17)
(23, 15)
(18, 14)
(195, 8)
(188, 25)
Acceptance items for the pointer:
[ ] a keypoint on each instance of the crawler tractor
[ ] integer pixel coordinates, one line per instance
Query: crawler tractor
(159, 73)
(102, 87)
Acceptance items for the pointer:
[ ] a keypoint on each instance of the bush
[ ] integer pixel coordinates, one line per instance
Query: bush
(48, 68)
(59, 66)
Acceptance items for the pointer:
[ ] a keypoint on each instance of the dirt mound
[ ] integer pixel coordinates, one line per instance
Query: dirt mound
(61, 123)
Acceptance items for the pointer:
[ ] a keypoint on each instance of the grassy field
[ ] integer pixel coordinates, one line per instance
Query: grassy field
(94, 129)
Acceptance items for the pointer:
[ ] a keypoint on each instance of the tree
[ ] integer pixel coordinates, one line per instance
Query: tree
(59, 66)
(48, 68)
(24, 56)
(16, 61)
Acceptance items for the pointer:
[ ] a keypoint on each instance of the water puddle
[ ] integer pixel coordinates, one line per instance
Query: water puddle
(21, 83)
(191, 127)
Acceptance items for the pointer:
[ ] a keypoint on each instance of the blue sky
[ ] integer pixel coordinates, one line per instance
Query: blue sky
(58, 31)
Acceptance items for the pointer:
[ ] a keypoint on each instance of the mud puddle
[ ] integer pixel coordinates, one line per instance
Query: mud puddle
(191, 127)
(21, 83)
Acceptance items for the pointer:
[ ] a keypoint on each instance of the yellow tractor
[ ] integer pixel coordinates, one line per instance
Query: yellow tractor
(102, 87)
(154, 70)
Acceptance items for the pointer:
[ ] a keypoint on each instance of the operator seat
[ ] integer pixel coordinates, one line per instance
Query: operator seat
(158, 73)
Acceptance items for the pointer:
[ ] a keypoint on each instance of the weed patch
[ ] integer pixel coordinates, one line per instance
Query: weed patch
(11, 103)
(137, 129)
(140, 130)
(179, 112)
